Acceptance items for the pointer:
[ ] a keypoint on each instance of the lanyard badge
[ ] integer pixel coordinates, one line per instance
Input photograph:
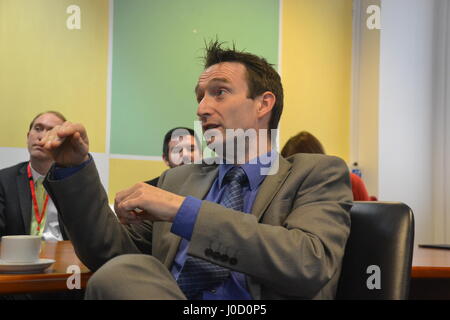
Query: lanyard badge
(38, 215)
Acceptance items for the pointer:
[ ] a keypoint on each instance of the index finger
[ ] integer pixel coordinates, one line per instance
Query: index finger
(57, 135)
(69, 129)
(50, 137)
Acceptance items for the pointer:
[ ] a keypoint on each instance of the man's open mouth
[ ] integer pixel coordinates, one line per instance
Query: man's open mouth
(210, 126)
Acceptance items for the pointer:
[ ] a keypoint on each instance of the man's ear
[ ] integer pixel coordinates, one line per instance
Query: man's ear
(267, 101)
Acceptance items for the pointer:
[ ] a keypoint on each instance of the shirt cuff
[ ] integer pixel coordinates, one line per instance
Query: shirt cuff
(184, 222)
(60, 173)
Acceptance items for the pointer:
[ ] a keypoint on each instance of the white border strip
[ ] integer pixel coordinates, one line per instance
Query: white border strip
(446, 133)
(134, 157)
(280, 34)
(280, 43)
(109, 77)
(10, 156)
(355, 81)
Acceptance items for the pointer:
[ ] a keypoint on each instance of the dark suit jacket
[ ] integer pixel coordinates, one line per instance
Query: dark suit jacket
(15, 201)
(153, 182)
(290, 246)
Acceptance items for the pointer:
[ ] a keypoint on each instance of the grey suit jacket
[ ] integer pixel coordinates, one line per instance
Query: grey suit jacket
(291, 246)
(15, 201)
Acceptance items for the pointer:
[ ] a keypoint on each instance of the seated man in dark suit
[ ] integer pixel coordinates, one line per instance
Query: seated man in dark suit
(25, 207)
(240, 227)
(180, 146)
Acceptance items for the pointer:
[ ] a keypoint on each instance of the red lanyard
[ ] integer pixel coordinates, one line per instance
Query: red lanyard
(39, 216)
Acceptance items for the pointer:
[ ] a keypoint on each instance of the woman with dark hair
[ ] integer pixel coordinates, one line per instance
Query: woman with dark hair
(305, 142)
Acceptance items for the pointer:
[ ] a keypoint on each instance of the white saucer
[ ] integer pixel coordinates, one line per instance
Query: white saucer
(34, 267)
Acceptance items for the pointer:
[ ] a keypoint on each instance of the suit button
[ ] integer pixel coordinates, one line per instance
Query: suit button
(224, 258)
(208, 252)
(233, 261)
(216, 255)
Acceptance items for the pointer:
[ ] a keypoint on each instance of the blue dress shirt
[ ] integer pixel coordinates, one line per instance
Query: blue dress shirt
(234, 288)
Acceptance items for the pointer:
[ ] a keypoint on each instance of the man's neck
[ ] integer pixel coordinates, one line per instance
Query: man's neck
(41, 166)
(259, 151)
(251, 152)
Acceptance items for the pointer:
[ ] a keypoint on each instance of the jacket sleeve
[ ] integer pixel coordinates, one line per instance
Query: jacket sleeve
(92, 226)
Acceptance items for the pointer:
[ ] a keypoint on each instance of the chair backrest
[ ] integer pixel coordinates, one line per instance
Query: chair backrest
(378, 255)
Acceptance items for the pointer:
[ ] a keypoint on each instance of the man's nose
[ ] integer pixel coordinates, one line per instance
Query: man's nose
(41, 135)
(186, 155)
(204, 109)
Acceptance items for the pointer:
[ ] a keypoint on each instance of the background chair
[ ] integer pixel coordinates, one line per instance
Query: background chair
(381, 234)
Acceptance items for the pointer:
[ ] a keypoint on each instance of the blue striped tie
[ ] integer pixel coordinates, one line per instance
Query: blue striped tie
(197, 274)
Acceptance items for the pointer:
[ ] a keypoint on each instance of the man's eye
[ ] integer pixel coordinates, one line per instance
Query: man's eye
(38, 128)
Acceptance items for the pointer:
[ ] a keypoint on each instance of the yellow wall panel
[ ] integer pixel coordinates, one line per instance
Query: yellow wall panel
(46, 66)
(124, 173)
(316, 71)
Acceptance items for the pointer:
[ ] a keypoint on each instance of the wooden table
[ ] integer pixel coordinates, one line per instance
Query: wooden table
(430, 274)
(53, 278)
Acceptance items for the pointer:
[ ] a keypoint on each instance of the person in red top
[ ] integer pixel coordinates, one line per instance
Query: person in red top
(358, 188)
(305, 142)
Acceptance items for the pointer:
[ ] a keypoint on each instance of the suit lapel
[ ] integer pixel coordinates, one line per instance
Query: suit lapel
(23, 189)
(197, 185)
(270, 187)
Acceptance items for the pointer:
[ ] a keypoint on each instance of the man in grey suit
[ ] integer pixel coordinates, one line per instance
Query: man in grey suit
(231, 230)
(17, 212)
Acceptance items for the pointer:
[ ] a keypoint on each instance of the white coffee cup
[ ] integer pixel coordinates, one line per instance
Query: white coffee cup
(20, 249)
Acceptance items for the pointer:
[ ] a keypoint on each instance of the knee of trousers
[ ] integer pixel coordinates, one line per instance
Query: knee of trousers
(119, 272)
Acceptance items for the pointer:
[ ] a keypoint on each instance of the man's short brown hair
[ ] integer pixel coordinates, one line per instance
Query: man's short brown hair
(56, 113)
(261, 76)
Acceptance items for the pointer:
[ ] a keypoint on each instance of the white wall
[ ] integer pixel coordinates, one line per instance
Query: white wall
(406, 107)
(12, 156)
(400, 98)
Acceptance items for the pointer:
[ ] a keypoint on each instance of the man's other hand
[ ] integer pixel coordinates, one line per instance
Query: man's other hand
(145, 202)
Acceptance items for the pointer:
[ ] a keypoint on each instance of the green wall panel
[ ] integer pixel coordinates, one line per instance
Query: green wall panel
(157, 49)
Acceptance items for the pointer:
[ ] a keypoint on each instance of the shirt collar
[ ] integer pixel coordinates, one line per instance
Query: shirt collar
(36, 175)
(252, 169)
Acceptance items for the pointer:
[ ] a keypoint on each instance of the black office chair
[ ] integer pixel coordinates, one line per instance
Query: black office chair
(381, 235)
